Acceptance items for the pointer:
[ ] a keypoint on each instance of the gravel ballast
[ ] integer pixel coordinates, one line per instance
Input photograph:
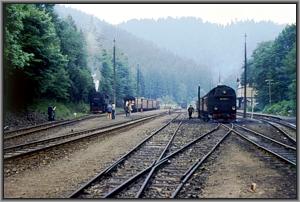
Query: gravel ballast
(58, 179)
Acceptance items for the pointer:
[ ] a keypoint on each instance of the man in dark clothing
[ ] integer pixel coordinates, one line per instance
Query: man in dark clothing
(51, 113)
(191, 111)
(109, 110)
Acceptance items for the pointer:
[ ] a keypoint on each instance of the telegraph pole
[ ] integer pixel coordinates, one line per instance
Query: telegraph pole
(138, 81)
(199, 101)
(269, 81)
(114, 61)
(245, 79)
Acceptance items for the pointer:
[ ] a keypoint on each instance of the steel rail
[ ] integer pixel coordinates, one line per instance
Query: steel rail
(77, 192)
(186, 176)
(264, 148)
(274, 119)
(74, 137)
(190, 143)
(285, 123)
(141, 190)
(71, 134)
(42, 127)
(282, 131)
(271, 139)
(159, 163)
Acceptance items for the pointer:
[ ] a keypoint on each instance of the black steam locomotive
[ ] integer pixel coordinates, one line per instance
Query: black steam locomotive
(219, 104)
(98, 102)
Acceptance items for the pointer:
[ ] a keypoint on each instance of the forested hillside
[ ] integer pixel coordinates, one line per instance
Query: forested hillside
(276, 61)
(164, 73)
(44, 57)
(217, 46)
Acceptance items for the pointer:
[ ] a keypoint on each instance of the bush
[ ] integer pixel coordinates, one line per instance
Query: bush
(283, 108)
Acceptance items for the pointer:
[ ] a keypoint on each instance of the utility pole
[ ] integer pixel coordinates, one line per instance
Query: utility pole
(138, 81)
(269, 81)
(252, 104)
(245, 80)
(114, 61)
(199, 101)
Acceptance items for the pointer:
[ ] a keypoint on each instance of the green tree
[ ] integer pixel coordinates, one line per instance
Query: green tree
(275, 60)
(32, 55)
(106, 80)
(73, 45)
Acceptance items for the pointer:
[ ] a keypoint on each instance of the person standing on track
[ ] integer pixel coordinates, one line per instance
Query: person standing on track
(109, 110)
(113, 111)
(126, 108)
(191, 111)
(129, 107)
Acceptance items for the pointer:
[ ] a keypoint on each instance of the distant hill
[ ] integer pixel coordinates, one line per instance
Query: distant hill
(217, 46)
(165, 72)
(175, 55)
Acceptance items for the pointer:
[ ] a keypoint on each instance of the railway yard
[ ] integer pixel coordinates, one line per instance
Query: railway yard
(153, 154)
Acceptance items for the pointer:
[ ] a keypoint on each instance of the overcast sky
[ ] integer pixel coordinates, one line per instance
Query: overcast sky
(216, 13)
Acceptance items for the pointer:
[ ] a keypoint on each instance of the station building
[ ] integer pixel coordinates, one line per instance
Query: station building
(250, 96)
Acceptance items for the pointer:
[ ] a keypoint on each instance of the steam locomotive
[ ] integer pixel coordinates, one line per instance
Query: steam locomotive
(218, 104)
(98, 102)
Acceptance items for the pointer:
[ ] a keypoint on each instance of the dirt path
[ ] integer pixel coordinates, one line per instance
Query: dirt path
(236, 165)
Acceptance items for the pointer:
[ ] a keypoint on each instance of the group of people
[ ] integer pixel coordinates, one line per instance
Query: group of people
(128, 107)
(111, 111)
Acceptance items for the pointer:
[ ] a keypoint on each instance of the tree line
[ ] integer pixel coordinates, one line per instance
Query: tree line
(46, 57)
(163, 73)
(276, 61)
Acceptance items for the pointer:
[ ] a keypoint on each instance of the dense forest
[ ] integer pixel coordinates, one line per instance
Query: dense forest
(276, 61)
(46, 57)
(163, 74)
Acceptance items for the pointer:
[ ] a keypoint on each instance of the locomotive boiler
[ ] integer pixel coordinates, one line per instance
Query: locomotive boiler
(218, 104)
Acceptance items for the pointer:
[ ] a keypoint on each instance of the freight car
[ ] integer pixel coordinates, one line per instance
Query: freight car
(98, 102)
(141, 104)
(219, 104)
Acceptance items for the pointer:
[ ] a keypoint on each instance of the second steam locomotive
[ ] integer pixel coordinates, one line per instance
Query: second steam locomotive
(218, 104)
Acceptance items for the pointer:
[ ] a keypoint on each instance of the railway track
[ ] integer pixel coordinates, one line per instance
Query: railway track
(279, 136)
(127, 166)
(274, 149)
(45, 126)
(285, 152)
(149, 175)
(35, 146)
(272, 119)
(170, 177)
(287, 129)
(283, 131)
